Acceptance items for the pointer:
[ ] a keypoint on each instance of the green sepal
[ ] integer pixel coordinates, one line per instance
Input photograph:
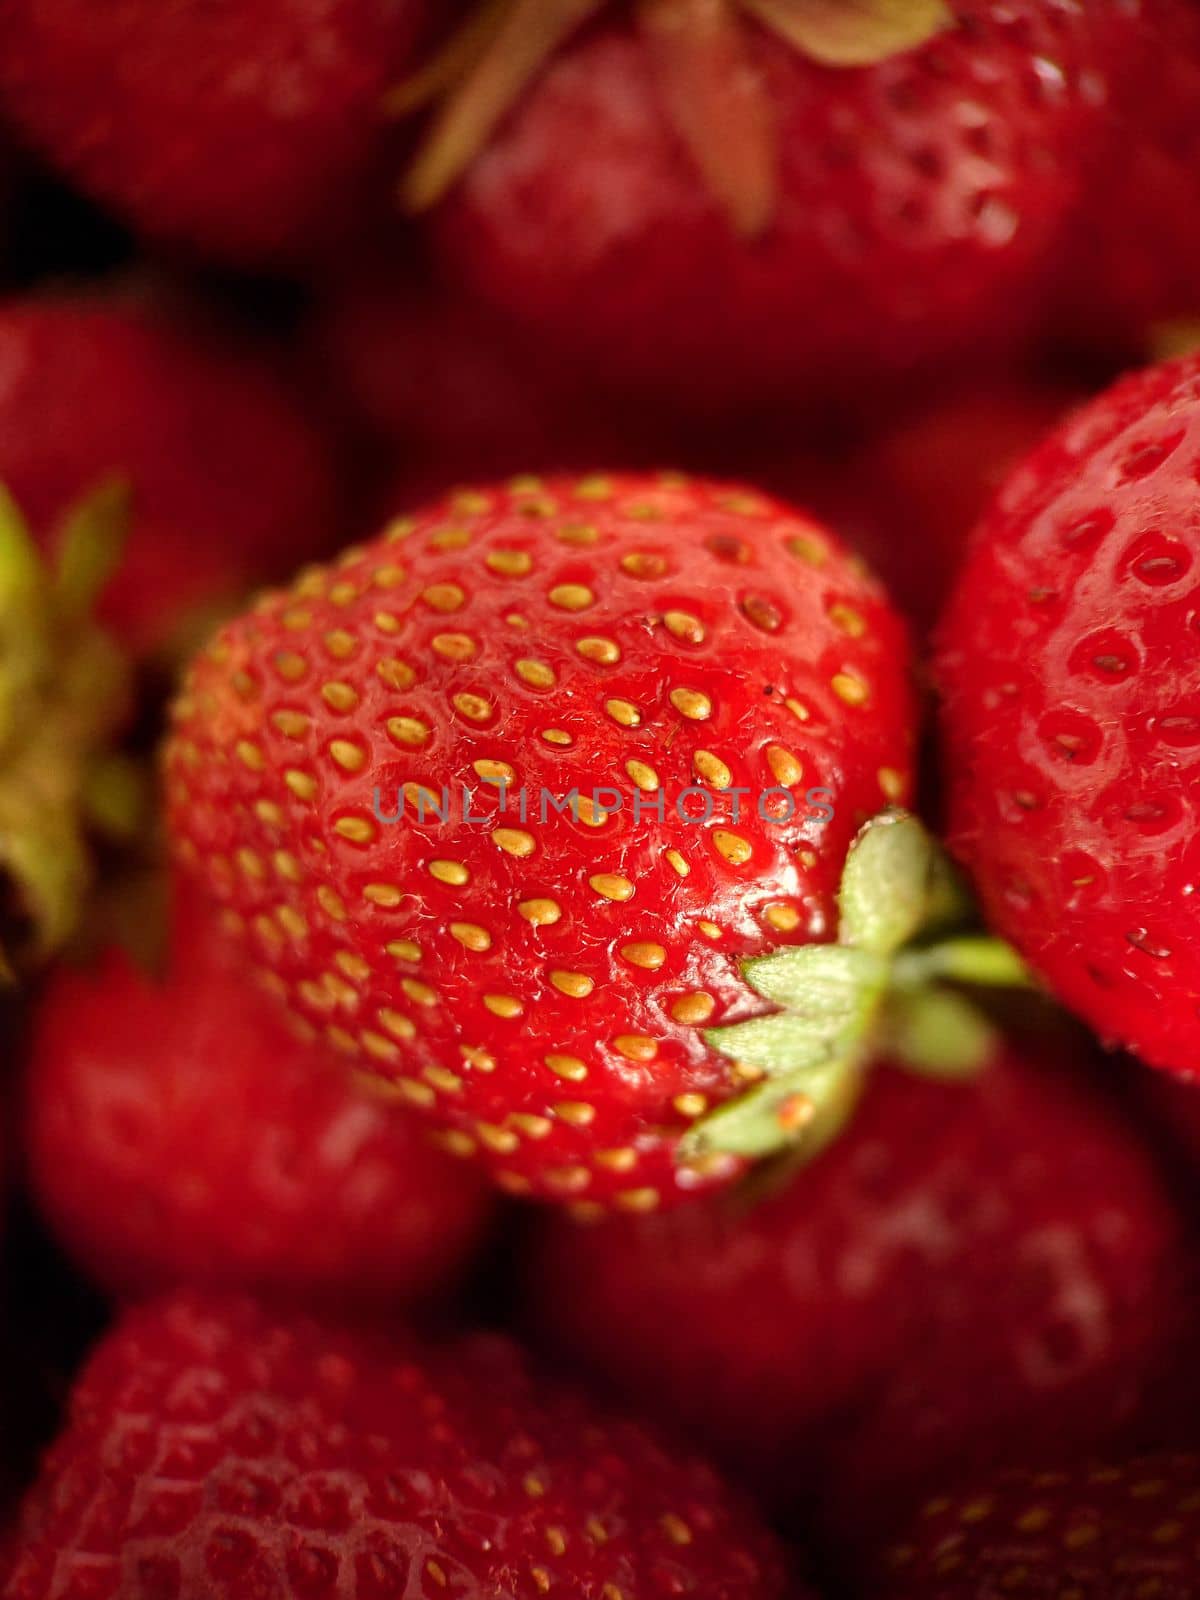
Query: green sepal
(937, 1033)
(779, 1112)
(852, 33)
(884, 892)
(90, 546)
(879, 991)
(777, 1044)
(64, 686)
(971, 958)
(816, 980)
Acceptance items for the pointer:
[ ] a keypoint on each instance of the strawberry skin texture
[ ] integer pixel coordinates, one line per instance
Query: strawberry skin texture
(178, 1132)
(1098, 1530)
(969, 1271)
(217, 1452)
(243, 131)
(904, 233)
(91, 390)
(1071, 701)
(539, 986)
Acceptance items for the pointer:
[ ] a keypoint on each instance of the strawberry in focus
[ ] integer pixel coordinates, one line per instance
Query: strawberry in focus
(1101, 1530)
(724, 692)
(214, 1451)
(1071, 710)
(249, 132)
(724, 208)
(178, 1132)
(973, 1270)
(93, 390)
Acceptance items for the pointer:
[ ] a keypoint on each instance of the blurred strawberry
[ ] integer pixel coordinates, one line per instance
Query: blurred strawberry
(1094, 1530)
(724, 207)
(230, 481)
(454, 394)
(214, 1451)
(179, 1132)
(248, 131)
(1136, 260)
(908, 499)
(972, 1271)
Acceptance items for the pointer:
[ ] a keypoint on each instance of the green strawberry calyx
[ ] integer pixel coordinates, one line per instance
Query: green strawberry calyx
(715, 99)
(886, 988)
(64, 687)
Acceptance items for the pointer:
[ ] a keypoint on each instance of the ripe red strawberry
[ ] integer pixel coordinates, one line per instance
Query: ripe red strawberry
(726, 207)
(91, 390)
(971, 1271)
(536, 972)
(1072, 713)
(177, 1132)
(248, 131)
(1122, 1530)
(215, 1453)
(1136, 260)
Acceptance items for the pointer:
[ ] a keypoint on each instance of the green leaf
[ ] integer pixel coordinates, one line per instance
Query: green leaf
(772, 1115)
(825, 981)
(778, 1044)
(852, 33)
(937, 1033)
(884, 891)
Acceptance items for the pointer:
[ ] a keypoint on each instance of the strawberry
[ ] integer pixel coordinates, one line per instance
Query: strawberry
(666, 715)
(215, 1452)
(452, 396)
(726, 200)
(971, 1271)
(1120, 1530)
(908, 498)
(244, 131)
(176, 1131)
(1071, 716)
(93, 390)
(1136, 258)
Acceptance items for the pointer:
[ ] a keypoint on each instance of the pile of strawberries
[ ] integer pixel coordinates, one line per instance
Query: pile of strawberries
(627, 1027)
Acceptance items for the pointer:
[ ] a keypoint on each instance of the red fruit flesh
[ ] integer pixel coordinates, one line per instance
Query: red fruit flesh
(178, 1132)
(216, 1453)
(91, 391)
(248, 131)
(1072, 714)
(539, 983)
(971, 1272)
(1100, 1530)
(920, 205)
